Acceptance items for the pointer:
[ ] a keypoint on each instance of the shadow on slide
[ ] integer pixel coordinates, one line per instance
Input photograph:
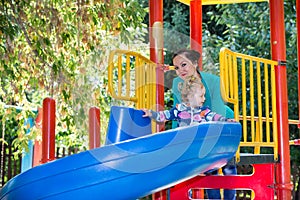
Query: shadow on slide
(139, 165)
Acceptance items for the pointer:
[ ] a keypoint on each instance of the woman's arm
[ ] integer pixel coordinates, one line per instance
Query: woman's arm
(217, 103)
(175, 91)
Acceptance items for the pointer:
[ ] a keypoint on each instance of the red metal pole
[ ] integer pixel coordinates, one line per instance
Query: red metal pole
(37, 153)
(37, 148)
(261, 182)
(155, 15)
(298, 49)
(196, 44)
(162, 195)
(48, 130)
(196, 27)
(198, 193)
(156, 55)
(278, 48)
(94, 128)
(156, 50)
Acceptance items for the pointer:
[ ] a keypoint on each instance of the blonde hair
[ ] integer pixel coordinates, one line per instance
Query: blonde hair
(189, 86)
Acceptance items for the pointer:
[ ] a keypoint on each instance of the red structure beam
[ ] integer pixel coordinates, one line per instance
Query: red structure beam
(196, 44)
(37, 153)
(261, 182)
(196, 27)
(48, 130)
(156, 50)
(94, 128)
(298, 49)
(156, 55)
(278, 48)
(37, 148)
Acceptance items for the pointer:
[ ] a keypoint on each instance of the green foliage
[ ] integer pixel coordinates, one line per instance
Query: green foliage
(14, 126)
(244, 28)
(176, 28)
(176, 36)
(59, 49)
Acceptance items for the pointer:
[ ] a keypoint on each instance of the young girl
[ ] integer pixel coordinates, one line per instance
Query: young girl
(191, 110)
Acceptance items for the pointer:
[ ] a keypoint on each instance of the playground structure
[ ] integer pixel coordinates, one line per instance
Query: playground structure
(268, 128)
(259, 129)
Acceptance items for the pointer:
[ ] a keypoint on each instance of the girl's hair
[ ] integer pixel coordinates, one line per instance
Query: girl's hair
(189, 86)
(192, 55)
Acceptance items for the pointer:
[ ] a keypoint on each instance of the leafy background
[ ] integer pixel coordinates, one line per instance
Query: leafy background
(59, 49)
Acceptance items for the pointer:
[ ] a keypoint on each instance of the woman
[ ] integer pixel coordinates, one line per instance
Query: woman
(186, 64)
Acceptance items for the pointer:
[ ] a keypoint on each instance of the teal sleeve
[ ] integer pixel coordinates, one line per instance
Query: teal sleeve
(229, 113)
(217, 103)
(175, 91)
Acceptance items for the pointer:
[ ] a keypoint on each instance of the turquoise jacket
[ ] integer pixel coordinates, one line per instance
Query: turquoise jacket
(213, 98)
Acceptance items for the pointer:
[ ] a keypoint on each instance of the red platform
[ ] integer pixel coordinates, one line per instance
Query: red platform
(261, 182)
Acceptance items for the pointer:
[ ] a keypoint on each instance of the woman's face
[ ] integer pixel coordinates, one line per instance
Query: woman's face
(183, 66)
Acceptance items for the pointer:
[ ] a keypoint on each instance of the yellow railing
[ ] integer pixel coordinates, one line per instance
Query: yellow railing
(249, 84)
(132, 77)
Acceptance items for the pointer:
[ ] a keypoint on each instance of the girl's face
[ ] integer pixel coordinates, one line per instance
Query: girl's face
(197, 97)
(183, 66)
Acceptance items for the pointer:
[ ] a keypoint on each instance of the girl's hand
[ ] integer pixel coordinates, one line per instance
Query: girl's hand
(147, 112)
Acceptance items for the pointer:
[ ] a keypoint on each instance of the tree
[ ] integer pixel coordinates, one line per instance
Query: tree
(58, 49)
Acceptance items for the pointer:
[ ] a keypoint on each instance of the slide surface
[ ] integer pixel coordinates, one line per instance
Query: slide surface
(130, 169)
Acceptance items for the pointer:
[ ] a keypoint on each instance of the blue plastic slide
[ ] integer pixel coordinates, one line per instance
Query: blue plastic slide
(139, 166)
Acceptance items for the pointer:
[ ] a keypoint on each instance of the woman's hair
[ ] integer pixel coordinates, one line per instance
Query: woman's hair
(190, 85)
(192, 55)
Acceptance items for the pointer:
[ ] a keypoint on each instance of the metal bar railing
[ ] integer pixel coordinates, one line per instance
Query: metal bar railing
(131, 77)
(245, 83)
